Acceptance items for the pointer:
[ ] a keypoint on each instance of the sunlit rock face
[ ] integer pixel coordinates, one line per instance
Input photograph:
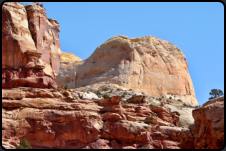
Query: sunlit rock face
(68, 66)
(30, 46)
(148, 64)
(45, 33)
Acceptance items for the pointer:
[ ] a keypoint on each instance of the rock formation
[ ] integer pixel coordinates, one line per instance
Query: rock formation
(208, 130)
(50, 119)
(30, 46)
(69, 58)
(148, 64)
(67, 72)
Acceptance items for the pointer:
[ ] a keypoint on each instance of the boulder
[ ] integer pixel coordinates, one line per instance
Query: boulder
(89, 96)
(166, 115)
(137, 99)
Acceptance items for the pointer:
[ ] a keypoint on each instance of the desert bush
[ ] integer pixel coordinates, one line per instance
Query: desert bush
(122, 101)
(98, 93)
(147, 121)
(130, 89)
(170, 97)
(118, 89)
(66, 87)
(179, 100)
(105, 96)
(105, 89)
(24, 145)
(76, 98)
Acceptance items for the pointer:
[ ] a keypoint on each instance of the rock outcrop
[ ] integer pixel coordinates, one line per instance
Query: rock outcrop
(50, 122)
(30, 46)
(147, 64)
(67, 72)
(67, 57)
(208, 130)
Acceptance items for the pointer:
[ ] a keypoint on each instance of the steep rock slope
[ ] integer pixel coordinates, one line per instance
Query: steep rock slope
(68, 66)
(147, 64)
(25, 62)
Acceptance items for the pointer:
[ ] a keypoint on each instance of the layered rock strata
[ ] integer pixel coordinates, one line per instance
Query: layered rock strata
(148, 64)
(30, 46)
(50, 119)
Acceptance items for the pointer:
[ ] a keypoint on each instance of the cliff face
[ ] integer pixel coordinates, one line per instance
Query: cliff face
(51, 119)
(68, 66)
(30, 46)
(208, 130)
(148, 64)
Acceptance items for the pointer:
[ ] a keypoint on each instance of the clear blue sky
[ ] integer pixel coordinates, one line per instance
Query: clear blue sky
(196, 28)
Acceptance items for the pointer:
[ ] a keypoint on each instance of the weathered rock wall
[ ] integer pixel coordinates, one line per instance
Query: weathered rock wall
(208, 130)
(26, 62)
(67, 72)
(51, 119)
(45, 33)
(148, 64)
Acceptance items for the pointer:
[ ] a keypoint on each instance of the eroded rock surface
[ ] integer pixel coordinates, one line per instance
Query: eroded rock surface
(49, 121)
(148, 64)
(30, 46)
(208, 130)
(67, 72)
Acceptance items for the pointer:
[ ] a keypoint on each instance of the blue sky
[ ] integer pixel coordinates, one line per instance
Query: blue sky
(197, 28)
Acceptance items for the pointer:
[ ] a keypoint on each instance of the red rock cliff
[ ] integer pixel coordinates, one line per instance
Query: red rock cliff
(30, 46)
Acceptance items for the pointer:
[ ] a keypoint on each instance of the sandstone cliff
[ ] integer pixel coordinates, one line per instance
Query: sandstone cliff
(69, 58)
(30, 46)
(148, 64)
(208, 130)
(68, 66)
(52, 119)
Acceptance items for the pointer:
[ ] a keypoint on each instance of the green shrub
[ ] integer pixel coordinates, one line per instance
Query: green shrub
(105, 96)
(184, 104)
(147, 121)
(98, 93)
(105, 89)
(123, 96)
(130, 89)
(66, 87)
(160, 99)
(170, 97)
(124, 93)
(118, 89)
(189, 126)
(24, 145)
(75, 97)
(152, 114)
(122, 101)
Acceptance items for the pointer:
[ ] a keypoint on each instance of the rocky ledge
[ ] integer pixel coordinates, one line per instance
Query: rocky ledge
(59, 118)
